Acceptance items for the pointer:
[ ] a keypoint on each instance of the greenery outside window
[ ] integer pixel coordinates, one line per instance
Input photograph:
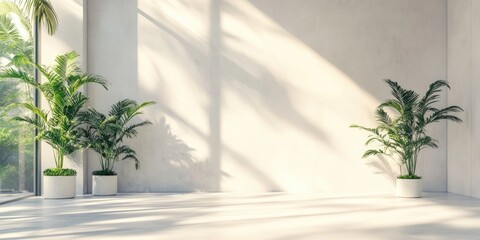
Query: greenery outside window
(17, 144)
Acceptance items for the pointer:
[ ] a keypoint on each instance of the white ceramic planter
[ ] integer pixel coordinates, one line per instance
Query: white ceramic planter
(104, 185)
(58, 187)
(411, 188)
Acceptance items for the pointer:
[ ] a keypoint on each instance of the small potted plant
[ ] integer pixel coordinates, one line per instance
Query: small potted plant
(59, 126)
(105, 135)
(403, 135)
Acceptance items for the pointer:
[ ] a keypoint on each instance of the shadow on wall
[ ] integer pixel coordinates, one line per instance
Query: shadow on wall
(270, 99)
(261, 90)
(384, 166)
(169, 167)
(178, 161)
(265, 93)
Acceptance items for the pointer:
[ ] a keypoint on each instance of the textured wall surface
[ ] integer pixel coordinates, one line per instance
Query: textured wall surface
(464, 74)
(258, 95)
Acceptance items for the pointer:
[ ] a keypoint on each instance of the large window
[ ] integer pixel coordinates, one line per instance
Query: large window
(16, 139)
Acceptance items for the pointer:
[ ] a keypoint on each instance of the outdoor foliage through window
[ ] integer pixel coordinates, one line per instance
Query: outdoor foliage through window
(16, 139)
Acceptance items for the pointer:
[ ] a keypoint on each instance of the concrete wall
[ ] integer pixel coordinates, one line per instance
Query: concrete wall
(464, 74)
(258, 95)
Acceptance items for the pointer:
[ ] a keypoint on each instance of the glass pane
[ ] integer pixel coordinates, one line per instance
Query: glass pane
(16, 139)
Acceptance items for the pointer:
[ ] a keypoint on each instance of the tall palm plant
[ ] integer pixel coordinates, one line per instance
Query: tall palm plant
(404, 135)
(59, 126)
(41, 11)
(105, 133)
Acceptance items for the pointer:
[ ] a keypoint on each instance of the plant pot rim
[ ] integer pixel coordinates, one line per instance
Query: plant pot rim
(60, 176)
(410, 178)
(104, 175)
(43, 172)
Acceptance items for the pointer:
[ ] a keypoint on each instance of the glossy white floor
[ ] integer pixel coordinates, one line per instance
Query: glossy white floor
(242, 216)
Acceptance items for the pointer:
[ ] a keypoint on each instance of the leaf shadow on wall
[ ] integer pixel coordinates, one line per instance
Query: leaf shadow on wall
(264, 93)
(177, 168)
(383, 166)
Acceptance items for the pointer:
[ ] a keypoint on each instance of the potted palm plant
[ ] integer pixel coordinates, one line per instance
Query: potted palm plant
(59, 125)
(403, 135)
(105, 135)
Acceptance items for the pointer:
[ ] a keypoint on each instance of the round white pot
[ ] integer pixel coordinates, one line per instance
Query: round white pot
(57, 187)
(409, 188)
(104, 185)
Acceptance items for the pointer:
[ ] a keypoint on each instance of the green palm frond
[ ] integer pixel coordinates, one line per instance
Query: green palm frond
(9, 33)
(10, 8)
(48, 73)
(443, 114)
(44, 12)
(66, 65)
(30, 120)
(393, 104)
(395, 90)
(21, 59)
(43, 115)
(16, 48)
(432, 94)
(404, 136)
(19, 75)
(426, 141)
(372, 152)
(61, 127)
(130, 131)
(405, 98)
(120, 108)
(105, 133)
(75, 82)
(383, 117)
(363, 128)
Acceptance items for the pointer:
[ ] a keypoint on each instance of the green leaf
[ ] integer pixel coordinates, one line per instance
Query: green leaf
(44, 12)
(105, 133)
(405, 135)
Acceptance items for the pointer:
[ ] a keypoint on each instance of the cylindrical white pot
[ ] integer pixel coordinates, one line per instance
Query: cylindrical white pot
(409, 188)
(59, 187)
(104, 185)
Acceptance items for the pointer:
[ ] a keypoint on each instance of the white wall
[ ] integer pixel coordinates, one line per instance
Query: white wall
(258, 95)
(464, 74)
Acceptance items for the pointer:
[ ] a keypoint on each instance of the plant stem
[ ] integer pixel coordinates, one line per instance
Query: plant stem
(58, 155)
(415, 160)
(102, 162)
